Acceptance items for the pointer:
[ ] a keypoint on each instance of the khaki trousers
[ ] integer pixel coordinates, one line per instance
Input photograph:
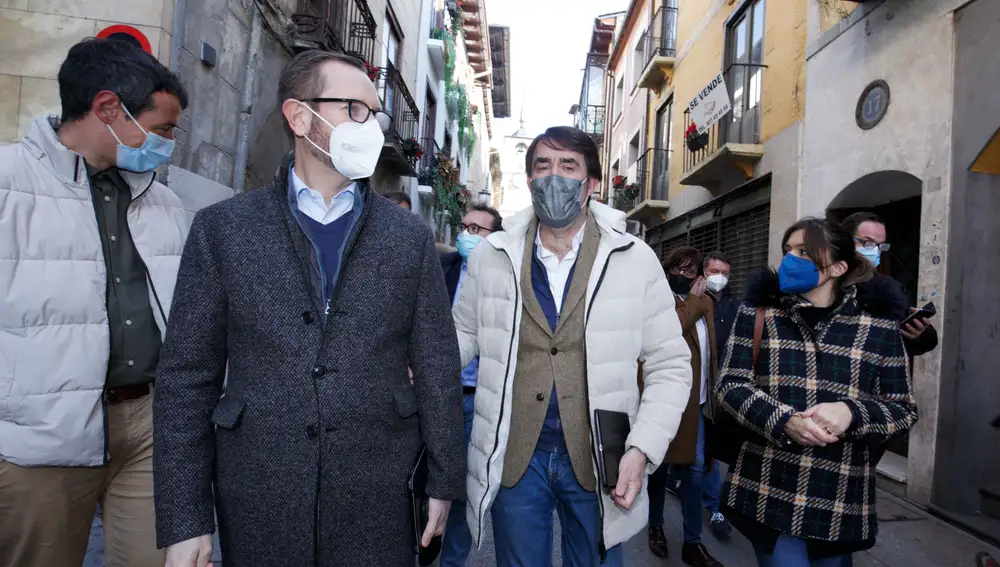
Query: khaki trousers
(46, 512)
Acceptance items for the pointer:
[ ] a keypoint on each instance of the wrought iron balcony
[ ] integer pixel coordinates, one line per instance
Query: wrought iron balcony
(733, 143)
(592, 121)
(397, 102)
(335, 25)
(652, 173)
(660, 48)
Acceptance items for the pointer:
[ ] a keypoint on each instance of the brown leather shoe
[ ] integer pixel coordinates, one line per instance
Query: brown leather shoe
(657, 542)
(696, 555)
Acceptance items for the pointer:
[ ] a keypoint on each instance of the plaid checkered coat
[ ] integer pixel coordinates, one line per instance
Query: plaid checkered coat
(854, 356)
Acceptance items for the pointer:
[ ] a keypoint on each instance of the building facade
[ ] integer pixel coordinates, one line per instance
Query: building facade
(590, 113)
(625, 139)
(833, 111)
(514, 178)
(230, 54)
(883, 135)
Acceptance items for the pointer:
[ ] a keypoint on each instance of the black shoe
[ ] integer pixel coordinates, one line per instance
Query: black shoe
(721, 528)
(657, 542)
(696, 555)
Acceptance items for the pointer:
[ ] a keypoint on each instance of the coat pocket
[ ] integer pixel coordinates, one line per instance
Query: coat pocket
(406, 400)
(228, 412)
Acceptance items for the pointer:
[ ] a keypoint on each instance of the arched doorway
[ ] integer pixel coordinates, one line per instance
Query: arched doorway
(894, 196)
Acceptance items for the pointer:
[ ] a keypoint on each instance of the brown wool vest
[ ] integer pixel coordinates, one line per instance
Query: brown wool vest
(545, 358)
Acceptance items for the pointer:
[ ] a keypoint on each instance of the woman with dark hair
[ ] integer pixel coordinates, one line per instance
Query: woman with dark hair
(815, 379)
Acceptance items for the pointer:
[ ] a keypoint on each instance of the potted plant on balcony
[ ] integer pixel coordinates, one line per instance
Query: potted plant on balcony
(412, 150)
(618, 182)
(372, 71)
(625, 196)
(693, 139)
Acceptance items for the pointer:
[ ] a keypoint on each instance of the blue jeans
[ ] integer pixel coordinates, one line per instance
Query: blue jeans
(792, 552)
(457, 539)
(692, 479)
(522, 518)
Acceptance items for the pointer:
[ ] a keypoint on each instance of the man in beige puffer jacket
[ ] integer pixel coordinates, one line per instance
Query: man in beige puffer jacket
(560, 307)
(90, 244)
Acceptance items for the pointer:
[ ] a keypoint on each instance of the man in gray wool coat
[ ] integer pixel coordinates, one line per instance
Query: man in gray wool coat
(318, 294)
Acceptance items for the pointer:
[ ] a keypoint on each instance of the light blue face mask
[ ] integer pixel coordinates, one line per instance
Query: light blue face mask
(154, 151)
(466, 243)
(874, 255)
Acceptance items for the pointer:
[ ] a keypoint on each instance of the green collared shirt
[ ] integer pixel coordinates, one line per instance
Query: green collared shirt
(135, 337)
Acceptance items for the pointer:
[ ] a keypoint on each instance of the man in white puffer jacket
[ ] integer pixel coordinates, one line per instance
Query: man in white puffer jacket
(90, 245)
(561, 307)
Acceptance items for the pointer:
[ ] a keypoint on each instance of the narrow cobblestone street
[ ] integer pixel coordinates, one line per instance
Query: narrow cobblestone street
(908, 537)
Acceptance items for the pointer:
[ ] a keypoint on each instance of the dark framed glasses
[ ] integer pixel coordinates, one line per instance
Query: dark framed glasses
(474, 229)
(360, 112)
(869, 245)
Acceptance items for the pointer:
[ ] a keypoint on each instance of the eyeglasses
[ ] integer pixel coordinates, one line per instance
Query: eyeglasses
(870, 245)
(474, 229)
(688, 272)
(360, 112)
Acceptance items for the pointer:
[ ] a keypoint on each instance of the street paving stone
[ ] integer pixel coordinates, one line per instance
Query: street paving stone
(908, 537)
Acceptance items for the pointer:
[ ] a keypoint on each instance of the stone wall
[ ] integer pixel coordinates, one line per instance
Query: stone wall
(35, 36)
(910, 46)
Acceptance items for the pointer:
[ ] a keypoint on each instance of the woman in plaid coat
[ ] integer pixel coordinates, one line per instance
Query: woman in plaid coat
(831, 380)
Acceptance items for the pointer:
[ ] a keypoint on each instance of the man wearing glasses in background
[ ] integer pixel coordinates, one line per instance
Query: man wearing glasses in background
(919, 336)
(480, 222)
(307, 300)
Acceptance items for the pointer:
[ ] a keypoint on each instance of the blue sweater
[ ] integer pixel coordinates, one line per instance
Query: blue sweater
(551, 439)
(330, 239)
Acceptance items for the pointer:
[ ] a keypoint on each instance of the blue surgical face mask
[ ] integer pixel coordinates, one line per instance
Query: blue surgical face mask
(466, 243)
(154, 151)
(797, 275)
(874, 255)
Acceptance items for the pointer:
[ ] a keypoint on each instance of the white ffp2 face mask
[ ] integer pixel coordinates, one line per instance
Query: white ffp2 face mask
(716, 282)
(354, 147)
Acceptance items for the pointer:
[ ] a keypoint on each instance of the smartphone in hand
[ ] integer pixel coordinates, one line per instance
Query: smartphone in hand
(925, 312)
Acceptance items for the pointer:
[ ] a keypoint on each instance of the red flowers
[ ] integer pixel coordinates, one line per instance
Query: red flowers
(618, 181)
(372, 71)
(412, 149)
(691, 131)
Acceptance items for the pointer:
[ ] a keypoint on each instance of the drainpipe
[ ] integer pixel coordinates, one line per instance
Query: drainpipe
(246, 102)
(177, 34)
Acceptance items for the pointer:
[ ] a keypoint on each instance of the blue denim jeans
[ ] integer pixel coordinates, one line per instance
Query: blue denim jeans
(792, 552)
(692, 479)
(522, 518)
(457, 540)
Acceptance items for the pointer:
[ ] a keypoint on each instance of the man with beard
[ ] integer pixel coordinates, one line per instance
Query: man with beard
(317, 294)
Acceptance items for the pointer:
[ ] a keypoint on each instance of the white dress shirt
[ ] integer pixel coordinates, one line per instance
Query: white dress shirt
(312, 204)
(556, 270)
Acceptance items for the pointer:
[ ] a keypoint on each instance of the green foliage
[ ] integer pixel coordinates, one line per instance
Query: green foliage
(470, 142)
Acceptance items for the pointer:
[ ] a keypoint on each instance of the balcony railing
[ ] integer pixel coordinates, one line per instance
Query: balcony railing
(592, 120)
(431, 149)
(397, 102)
(653, 174)
(741, 125)
(336, 25)
(661, 39)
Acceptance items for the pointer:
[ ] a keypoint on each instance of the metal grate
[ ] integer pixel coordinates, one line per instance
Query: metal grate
(741, 237)
(744, 241)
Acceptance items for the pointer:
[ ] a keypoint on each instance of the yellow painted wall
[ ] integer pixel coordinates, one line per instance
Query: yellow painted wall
(832, 11)
(700, 44)
(784, 93)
